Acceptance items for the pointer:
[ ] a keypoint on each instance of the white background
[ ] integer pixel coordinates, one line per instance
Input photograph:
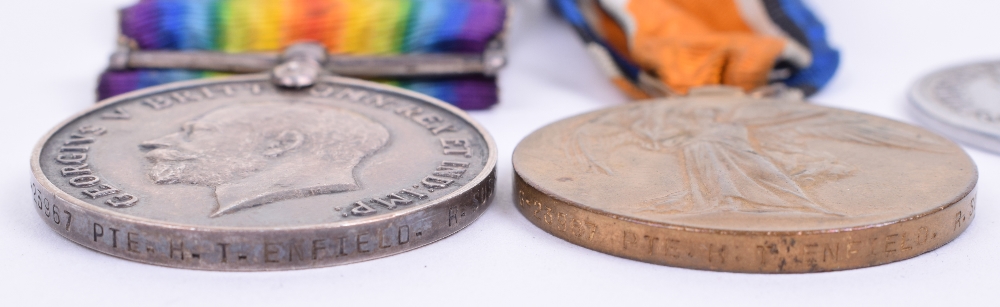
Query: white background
(53, 50)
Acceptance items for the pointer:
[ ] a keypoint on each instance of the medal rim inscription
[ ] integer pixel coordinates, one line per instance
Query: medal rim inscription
(933, 113)
(482, 183)
(529, 195)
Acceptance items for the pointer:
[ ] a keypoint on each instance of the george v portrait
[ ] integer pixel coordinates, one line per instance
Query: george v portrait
(259, 153)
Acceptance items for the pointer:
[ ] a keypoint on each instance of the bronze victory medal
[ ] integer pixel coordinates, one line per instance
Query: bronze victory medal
(237, 174)
(745, 185)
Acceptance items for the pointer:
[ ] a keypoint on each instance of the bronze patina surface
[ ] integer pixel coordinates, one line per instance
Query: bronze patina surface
(745, 185)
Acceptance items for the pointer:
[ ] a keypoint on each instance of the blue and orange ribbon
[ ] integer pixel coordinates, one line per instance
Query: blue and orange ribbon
(657, 47)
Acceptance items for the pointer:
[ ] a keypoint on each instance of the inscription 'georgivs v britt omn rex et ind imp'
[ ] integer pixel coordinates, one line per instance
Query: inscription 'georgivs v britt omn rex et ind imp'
(238, 174)
(745, 184)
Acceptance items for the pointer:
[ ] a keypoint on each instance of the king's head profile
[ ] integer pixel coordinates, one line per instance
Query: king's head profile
(258, 153)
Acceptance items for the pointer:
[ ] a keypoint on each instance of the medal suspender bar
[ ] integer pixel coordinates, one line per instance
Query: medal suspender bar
(343, 27)
(285, 167)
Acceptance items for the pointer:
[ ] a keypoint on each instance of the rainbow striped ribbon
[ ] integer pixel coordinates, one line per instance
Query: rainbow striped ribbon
(359, 27)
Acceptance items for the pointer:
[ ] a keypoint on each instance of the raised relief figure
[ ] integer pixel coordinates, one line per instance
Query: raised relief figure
(735, 156)
(258, 153)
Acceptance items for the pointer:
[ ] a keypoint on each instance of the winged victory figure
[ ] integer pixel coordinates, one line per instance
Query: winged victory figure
(745, 156)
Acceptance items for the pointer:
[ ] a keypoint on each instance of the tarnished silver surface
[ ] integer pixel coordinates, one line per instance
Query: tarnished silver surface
(395, 66)
(236, 174)
(301, 66)
(963, 103)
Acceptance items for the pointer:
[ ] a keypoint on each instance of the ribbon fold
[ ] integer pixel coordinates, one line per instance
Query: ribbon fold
(653, 48)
